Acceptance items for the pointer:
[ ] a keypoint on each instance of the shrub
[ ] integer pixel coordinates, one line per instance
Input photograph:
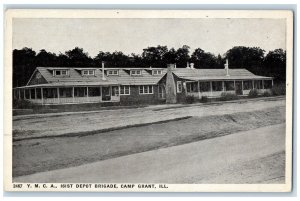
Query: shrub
(190, 99)
(228, 96)
(278, 90)
(253, 93)
(267, 94)
(23, 104)
(204, 99)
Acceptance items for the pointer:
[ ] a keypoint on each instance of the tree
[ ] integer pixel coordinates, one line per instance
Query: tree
(78, 58)
(170, 57)
(275, 64)
(154, 56)
(250, 58)
(182, 56)
(136, 60)
(204, 59)
(23, 65)
(245, 57)
(44, 58)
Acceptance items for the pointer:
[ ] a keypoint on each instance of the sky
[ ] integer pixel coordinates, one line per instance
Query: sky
(133, 35)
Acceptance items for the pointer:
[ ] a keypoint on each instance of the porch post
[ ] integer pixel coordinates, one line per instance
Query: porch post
(100, 93)
(252, 84)
(242, 87)
(24, 95)
(210, 88)
(234, 85)
(223, 85)
(110, 90)
(73, 93)
(35, 96)
(87, 93)
(199, 89)
(57, 95)
(19, 94)
(29, 93)
(263, 87)
(42, 95)
(272, 83)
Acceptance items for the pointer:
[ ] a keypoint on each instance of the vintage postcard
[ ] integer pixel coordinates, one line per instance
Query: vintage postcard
(148, 100)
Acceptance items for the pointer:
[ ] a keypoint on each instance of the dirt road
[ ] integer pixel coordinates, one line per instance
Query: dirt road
(255, 156)
(37, 155)
(202, 124)
(44, 125)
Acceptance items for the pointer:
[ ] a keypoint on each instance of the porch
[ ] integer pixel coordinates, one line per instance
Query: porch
(68, 94)
(216, 88)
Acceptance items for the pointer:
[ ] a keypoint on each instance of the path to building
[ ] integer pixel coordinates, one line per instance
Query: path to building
(255, 156)
(53, 125)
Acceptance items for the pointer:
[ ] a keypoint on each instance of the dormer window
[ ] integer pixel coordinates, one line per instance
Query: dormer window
(58, 73)
(112, 72)
(157, 72)
(88, 72)
(136, 72)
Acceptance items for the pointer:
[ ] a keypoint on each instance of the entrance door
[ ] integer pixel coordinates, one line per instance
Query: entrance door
(161, 92)
(238, 88)
(106, 94)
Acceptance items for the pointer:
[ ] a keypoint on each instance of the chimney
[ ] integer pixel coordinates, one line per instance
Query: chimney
(171, 96)
(227, 68)
(171, 66)
(187, 65)
(103, 75)
(192, 65)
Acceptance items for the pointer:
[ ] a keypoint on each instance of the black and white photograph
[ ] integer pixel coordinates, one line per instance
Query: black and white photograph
(148, 101)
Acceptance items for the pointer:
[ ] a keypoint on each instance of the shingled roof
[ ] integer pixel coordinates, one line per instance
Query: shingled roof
(75, 77)
(215, 74)
(146, 78)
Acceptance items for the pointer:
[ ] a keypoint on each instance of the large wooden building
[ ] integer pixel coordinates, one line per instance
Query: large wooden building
(57, 85)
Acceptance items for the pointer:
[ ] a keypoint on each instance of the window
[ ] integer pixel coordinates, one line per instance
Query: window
(94, 91)
(258, 84)
(161, 92)
(50, 92)
(38, 93)
(247, 84)
(217, 86)
(113, 72)
(204, 86)
(61, 73)
(124, 90)
(65, 92)
(157, 72)
(191, 86)
(146, 89)
(179, 86)
(267, 84)
(27, 93)
(88, 72)
(229, 85)
(115, 91)
(136, 72)
(80, 91)
(22, 91)
(32, 93)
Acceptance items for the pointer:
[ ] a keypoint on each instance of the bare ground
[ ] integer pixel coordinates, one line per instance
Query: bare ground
(73, 123)
(37, 155)
(254, 156)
